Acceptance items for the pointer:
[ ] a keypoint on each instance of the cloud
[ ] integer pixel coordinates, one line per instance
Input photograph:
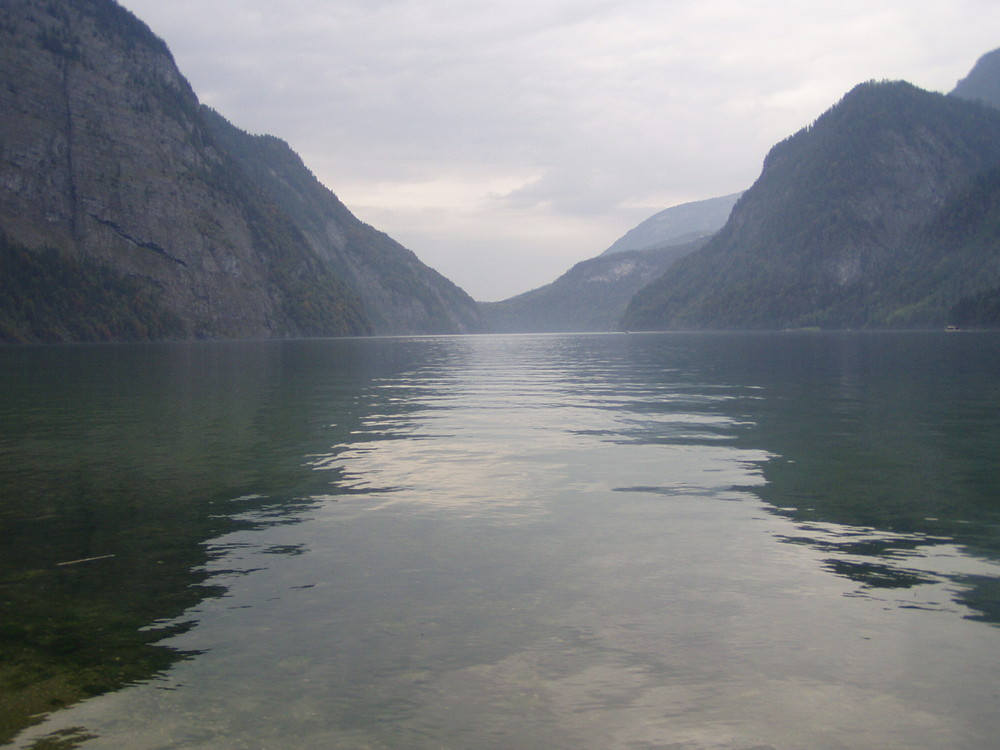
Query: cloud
(504, 141)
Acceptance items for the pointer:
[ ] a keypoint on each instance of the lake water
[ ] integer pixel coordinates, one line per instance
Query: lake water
(591, 542)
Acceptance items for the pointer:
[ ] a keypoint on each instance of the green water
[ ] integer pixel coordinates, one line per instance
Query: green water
(612, 541)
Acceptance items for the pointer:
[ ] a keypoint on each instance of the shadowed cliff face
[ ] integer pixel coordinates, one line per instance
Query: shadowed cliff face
(107, 155)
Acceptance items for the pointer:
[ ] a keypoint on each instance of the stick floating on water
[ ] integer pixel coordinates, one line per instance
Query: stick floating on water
(84, 560)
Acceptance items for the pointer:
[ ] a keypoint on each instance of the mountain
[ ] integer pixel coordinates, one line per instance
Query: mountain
(590, 296)
(975, 220)
(593, 294)
(983, 82)
(856, 221)
(130, 211)
(971, 223)
(677, 225)
(400, 294)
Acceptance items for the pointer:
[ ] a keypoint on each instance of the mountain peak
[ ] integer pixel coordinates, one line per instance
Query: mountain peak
(677, 225)
(983, 82)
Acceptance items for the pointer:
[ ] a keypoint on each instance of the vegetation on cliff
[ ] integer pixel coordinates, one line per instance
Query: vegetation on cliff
(48, 297)
(865, 219)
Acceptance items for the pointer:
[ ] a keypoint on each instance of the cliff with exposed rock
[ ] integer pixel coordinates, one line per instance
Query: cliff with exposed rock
(129, 210)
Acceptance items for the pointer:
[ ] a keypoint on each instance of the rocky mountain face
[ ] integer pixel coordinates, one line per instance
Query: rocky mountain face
(677, 225)
(128, 210)
(399, 293)
(591, 296)
(868, 218)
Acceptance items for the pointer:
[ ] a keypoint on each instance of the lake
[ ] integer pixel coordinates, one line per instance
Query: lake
(582, 542)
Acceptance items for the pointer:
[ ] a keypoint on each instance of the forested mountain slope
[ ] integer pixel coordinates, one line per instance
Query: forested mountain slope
(852, 223)
(975, 219)
(127, 210)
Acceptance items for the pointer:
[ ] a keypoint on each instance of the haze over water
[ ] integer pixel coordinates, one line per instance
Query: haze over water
(688, 541)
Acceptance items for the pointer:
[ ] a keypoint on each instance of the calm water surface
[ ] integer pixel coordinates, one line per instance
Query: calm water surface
(590, 542)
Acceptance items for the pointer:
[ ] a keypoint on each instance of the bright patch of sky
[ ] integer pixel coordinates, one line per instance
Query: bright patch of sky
(505, 141)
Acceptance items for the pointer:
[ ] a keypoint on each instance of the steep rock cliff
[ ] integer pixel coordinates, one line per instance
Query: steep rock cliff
(107, 158)
(400, 294)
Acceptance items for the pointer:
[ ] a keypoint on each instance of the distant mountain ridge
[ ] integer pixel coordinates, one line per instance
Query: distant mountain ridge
(128, 210)
(594, 294)
(867, 218)
(677, 225)
(983, 82)
(591, 296)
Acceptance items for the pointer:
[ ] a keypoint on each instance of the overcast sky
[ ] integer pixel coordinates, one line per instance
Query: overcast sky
(505, 141)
